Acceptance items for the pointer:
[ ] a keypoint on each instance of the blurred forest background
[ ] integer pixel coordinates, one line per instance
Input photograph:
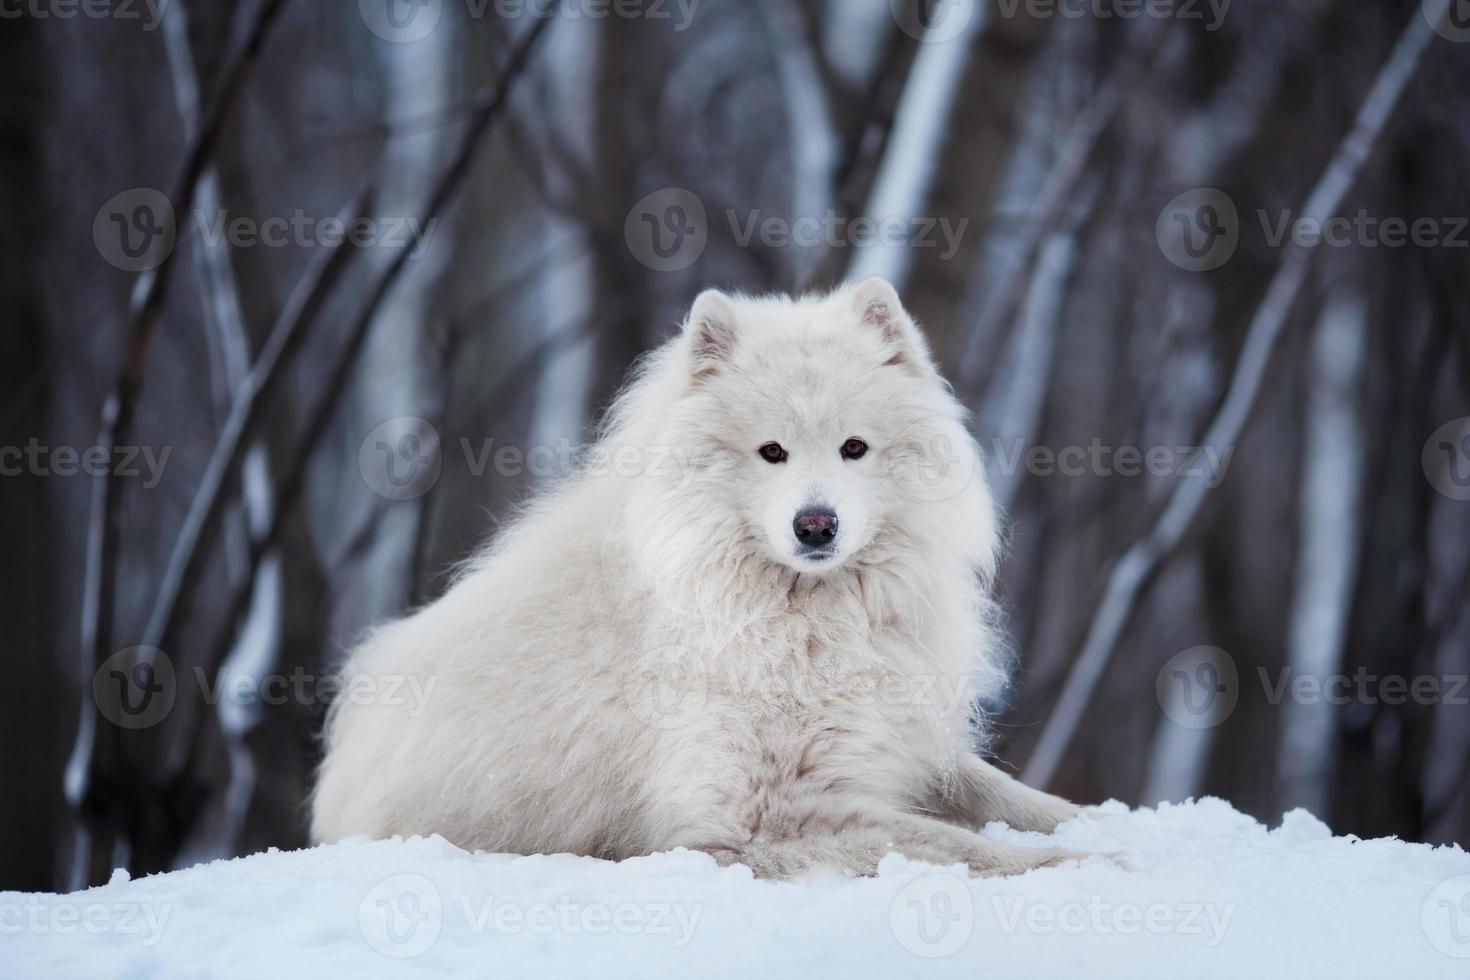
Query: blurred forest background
(1081, 200)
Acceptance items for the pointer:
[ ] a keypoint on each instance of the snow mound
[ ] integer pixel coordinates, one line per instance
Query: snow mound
(1196, 888)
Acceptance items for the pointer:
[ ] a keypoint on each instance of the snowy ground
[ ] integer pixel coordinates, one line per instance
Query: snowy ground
(1208, 893)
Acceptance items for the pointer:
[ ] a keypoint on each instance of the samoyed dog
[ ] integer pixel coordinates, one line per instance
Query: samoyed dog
(755, 623)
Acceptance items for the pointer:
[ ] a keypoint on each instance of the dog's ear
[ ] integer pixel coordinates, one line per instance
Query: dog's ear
(879, 309)
(710, 329)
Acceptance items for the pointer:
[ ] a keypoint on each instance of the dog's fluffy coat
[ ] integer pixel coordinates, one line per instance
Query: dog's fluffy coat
(647, 658)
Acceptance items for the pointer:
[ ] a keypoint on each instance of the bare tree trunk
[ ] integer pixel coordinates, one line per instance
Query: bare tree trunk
(1141, 562)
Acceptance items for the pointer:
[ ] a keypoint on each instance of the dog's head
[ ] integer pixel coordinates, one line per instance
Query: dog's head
(828, 429)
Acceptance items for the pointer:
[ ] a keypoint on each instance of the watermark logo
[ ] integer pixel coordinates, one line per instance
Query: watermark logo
(406, 21)
(36, 459)
(411, 692)
(219, 228)
(401, 916)
(675, 920)
(834, 231)
(1198, 688)
(149, 11)
(1097, 458)
(138, 687)
(1446, 917)
(932, 21)
(135, 688)
(1446, 459)
(1199, 230)
(135, 230)
(667, 230)
(400, 459)
(1364, 687)
(401, 21)
(403, 458)
(1212, 12)
(933, 916)
(64, 915)
(931, 464)
(667, 688)
(1452, 24)
(1099, 916)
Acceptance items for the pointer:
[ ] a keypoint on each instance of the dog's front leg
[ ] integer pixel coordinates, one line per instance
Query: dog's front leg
(855, 841)
(980, 793)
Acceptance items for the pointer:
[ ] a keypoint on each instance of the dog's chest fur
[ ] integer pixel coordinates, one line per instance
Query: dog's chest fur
(806, 711)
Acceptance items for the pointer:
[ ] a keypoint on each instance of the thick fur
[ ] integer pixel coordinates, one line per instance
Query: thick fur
(643, 660)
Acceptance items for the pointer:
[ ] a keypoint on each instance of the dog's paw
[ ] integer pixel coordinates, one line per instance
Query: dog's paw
(1002, 861)
(1046, 819)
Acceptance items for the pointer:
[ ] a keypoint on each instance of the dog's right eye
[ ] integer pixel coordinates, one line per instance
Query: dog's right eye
(772, 452)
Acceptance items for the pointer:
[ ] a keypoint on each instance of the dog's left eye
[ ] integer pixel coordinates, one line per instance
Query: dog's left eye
(854, 449)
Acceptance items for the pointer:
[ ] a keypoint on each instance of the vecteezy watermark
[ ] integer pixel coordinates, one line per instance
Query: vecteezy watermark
(301, 687)
(403, 458)
(676, 921)
(1198, 688)
(406, 21)
(933, 916)
(64, 915)
(137, 229)
(1211, 12)
(1365, 229)
(1450, 21)
(150, 12)
(1446, 459)
(928, 463)
(668, 687)
(1103, 917)
(1364, 687)
(401, 916)
(1445, 917)
(835, 231)
(404, 915)
(134, 230)
(35, 459)
(667, 230)
(1098, 458)
(309, 231)
(138, 687)
(933, 21)
(135, 688)
(1201, 230)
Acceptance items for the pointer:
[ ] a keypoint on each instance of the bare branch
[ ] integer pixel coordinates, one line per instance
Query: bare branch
(1061, 184)
(324, 406)
(284, 340)
(1142, 561)
(98, 585)
(863, 149)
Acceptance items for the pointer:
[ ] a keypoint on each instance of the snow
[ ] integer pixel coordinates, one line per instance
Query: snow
(1196, 889)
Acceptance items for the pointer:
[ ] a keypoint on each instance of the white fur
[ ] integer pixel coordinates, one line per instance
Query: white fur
(643, 661)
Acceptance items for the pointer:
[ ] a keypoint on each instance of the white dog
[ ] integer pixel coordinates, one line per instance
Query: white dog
(754, 624)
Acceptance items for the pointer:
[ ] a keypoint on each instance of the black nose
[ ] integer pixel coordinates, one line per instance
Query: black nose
(815, 527)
